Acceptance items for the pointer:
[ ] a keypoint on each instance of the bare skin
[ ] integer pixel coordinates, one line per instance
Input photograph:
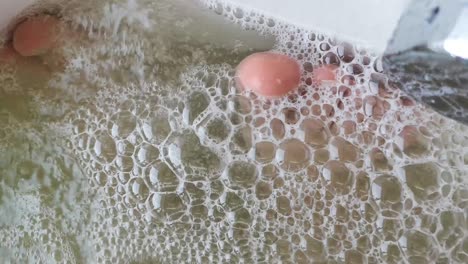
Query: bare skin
(31, 50)
(268, 74)
(274, 75)
(36, 36)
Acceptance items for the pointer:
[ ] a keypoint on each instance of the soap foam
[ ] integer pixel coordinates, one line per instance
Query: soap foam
(159, 158)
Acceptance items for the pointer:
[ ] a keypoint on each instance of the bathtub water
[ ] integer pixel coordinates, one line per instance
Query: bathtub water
(140, 149)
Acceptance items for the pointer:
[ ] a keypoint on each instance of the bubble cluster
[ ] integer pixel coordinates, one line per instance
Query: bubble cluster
(194, 170)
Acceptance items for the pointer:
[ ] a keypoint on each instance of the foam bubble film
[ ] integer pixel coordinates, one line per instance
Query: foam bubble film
(139, 148)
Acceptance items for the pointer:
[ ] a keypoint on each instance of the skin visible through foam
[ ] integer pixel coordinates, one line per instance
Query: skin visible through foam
(36, 36)
(268, 74)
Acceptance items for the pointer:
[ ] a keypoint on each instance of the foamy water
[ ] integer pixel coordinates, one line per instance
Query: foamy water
(142, 150)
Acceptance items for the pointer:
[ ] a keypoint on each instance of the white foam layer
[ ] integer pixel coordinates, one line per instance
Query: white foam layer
(366, 22)
(356, 21)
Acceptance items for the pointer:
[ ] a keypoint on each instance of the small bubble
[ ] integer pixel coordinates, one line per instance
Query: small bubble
(241, 105)
(308, 67)
(138, 188)
(231, 201)
(263, 190)
(419, 245)
(355, 69)
(348, 80)
(278, 129)
(344, 149)
(238, 13)
(349, 127)
(373, 107)
(103, 147)
(366, 60)
(124, 164)
(379, 160)
(219, 9)
(122, 124)
(293, 155)
(283, 204)
(271, 23)
(412, 142)
(199, 211)
(346, 52)
(155, 128)
(146, 154)
(387, 189)
(242, 174)
(291, 115)
(331, 59)
(218, 130)
(378, 66)
(269, 172)
(197, 103)
(321, 156)
(100, 179)
(242, 140)
(355, 257)
(79, 126)
(312, 36)
(316, 133)
(339, 177)
(168, 205)
(324, 47)
(265, 151)
(161, 177)
(423, 180)
(344, 91)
